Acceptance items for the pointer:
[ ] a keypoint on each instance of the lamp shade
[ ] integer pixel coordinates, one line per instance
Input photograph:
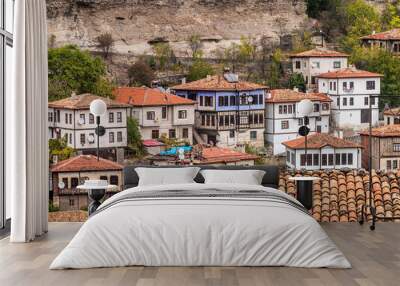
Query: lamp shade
(305, 107)
(98, 107)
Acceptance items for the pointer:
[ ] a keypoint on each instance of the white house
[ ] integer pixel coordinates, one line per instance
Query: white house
(323, 152)
(350, 89)
(389, 40)
(70, 118)
(316, 61)
(391, 116)
(282, 120)
(159, 113)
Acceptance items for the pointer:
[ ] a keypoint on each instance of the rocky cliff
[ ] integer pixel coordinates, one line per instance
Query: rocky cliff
(136, 24)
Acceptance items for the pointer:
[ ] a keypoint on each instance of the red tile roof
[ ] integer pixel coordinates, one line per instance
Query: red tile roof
(218, 82)
(144, 96)
(384, 36)
(86, 163)
(392, 130)
(83, 101)
(152, 143)
(349, 73)
(319, 53)
(319, 140)
(289, 95)
(392, 111)
(224, 155)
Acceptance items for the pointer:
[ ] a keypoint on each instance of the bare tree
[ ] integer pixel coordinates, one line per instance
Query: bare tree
(105, 43)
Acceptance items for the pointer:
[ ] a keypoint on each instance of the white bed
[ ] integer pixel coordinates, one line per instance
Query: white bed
(225, 225)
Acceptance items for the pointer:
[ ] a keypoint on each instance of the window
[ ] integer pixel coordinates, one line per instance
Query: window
(394, 164)
(325, 106)
(260, 99)
(111, 117)
(119, 136)
(280, 109)
(66, 118)
(71, 202)
(201, 101)
(350, 158)
(151, 115)
(330, 159)
(309, 159)
(372, 100)
(226, 100)
(298, 65)
(316, 107)
(396, 147)
(344, 159)
(226, 117)
(91, 118)
(65, 181)
(203, 120)
(352, 85)
(365, 115)
(185, 133)
(155, 134)
(318, 118)
(105, 178)
(388, 165)
(208, 120)
(284, 124)
(366, 100)
(370, 84)
(182, 114)
(302, 160)
(334, 85)
(231, 133)
(330, 85)
(290, 109)
(253, 135)
(232, 100)
(82, 118)
(388, 121)
(315, 159)
(232, 119)
(338, 101)
(164, 113)
(345, 85)
(285, 109)
(316, 65)
(74, 182)
(300, 121)
(220, 101)
(172, 133)
(119, 116)
(344, 101)
(50, 116)
(208, 101)
(70, 118)
(114, 180)
(70, 138)
(221, 121)
(111, 137)
(293, 161)
(83, 138)
(324, 160)
(351, 100)
(336, 65)
(319, 128)
(288, 156)
(337, 159)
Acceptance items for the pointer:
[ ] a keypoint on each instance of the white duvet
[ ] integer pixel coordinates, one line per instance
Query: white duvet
(206, 231)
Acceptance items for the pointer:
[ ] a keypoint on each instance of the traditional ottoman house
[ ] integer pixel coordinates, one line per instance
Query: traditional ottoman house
(68, 174)
(229, 112)
(70, 118)
(388, 40)
(316, 61)
(282, 120)
(159, 113)
(385, 147)
(323, 152)
(350, 89)
(391, 116)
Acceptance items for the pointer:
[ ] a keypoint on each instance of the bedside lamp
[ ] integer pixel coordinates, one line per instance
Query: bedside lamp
(98, 108)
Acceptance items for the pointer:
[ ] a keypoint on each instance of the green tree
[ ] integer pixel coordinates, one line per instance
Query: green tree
(140, 73)
(391, 15)
(164, 55)
(105, 43)
(199, 69)
(276, 70)
(71, 69)
(315, 7)
(134, 137)
(195, 45)
(301, 41)
(60, 149)
(296, 80)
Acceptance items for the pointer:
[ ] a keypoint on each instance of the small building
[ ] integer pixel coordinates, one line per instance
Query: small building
(351, 90)
(159, 114)
(229, 112)
(68, 174)
(282, 120)
(224, 156)
(385, 147)
(388, 40)
(391, 116)
(323, 152)
(70, 118)
(316, 61)
(153, 146)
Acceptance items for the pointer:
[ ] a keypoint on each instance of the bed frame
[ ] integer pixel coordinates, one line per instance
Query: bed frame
(270, 179)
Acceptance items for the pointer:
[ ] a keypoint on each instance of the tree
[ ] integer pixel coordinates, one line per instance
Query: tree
(296, 80)
(140, 73)
(195, 45)
(134, 137)
(391, 16)
(315, 7)
(74, 70)
(105, 43)
(199, 69)
(164, 55)
(301, 41)
(60, 149)
(276, 70)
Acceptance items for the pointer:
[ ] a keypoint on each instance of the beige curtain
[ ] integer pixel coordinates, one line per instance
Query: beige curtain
(26, 124)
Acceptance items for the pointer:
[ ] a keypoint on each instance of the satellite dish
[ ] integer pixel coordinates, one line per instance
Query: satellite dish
(91, 138)
(305, 107)
(250, 99)
(61, 185)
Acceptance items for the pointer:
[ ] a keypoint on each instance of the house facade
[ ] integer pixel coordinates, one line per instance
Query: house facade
(282, 120)
(70, 118)
(229, 112)
(323, 152)
(68, 174)
(391, 116)
(316, 61)
(385, 147)
(350, 90)
(388, 40)
(159, 114)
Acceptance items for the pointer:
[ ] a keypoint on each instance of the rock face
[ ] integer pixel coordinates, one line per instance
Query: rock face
(135, 24)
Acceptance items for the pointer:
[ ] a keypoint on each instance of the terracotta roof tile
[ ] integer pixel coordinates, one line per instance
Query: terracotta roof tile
(152, 143)
(218, 82)
(392, 130)
(83, 101)
(289, 95)
(319, 140)
(349, 73)
(143, 96)
(319, 53)
(387, 35)
(220, 155)
(392, 111)
(85, 163)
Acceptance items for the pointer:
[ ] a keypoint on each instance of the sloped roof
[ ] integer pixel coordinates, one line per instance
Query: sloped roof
(392, 111)
(392, 130)
(224, 155)
(144, 96)
(289, 95)
(86, 163)
(218, 82)
(384, 36)
(319, 140)
(349, 73)
(152, 143)
(320, 53)
(83, 101)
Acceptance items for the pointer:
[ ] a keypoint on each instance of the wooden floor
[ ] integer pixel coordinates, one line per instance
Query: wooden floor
(375, 257)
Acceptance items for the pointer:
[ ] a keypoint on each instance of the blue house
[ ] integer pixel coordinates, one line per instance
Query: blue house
(229, 112)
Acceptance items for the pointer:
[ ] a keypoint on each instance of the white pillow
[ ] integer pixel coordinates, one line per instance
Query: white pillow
(248, 177)
(166, 176)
